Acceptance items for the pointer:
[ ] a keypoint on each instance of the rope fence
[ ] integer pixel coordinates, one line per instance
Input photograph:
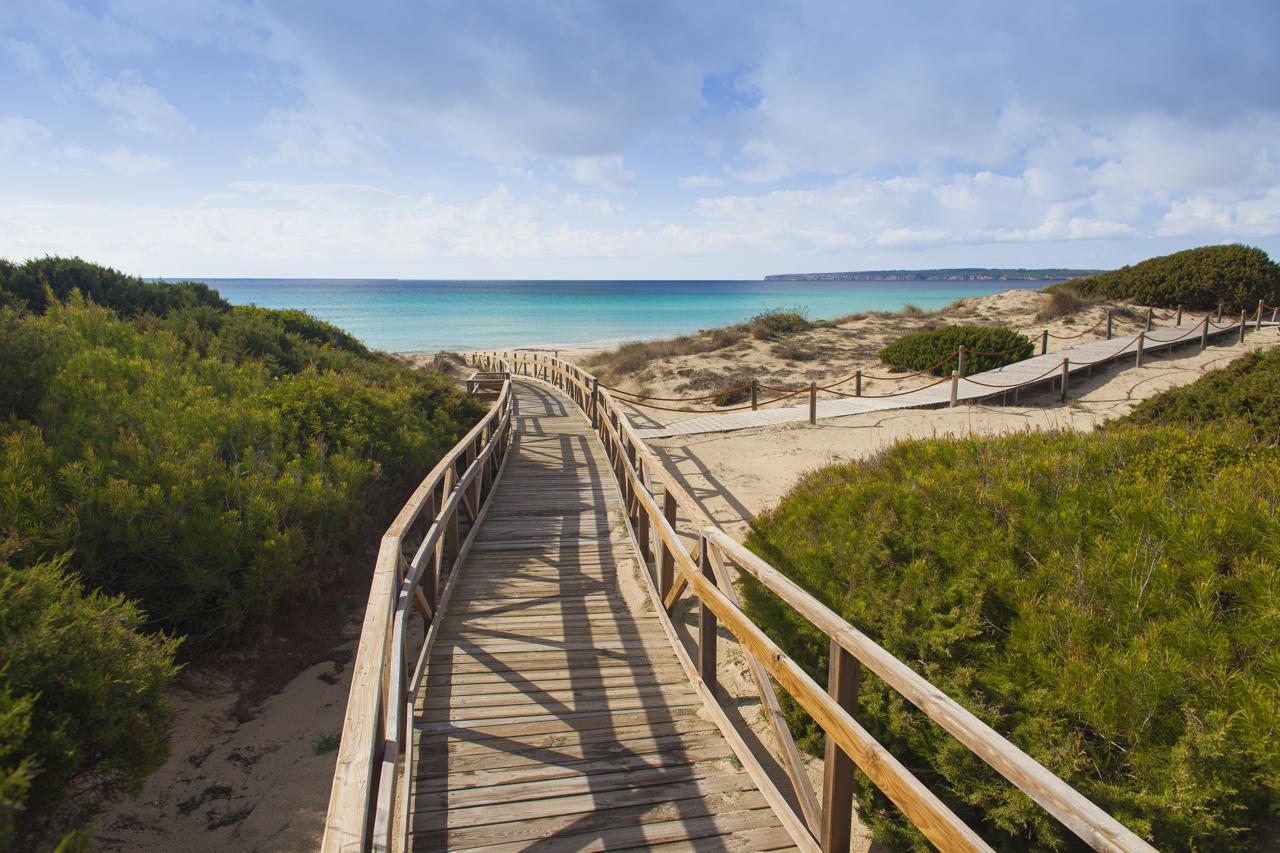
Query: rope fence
(1208, 322)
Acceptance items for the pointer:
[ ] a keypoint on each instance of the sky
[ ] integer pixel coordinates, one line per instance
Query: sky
(617, 139)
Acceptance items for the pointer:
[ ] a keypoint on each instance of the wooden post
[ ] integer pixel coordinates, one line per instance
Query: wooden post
(1149, 311)
(857, 383)
(755, 394)
(1244, 321)
(667, 563)
(1259, 322)
(706, 624)
(838, 768)
(960, 360)
(1044, 342)
(1219, 312)
(1066, 377)
(813, 402)
(1142, 340)
(595, 403)
(1274, 311)
(1178, 321)
(1108, 325)
(1204, 333)
(955, 387)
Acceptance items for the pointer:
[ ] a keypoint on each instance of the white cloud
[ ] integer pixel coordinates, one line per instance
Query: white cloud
(608, 173)
(594, 206)
(121, 160)
(299, 136)
(134, 105)
(20, 134)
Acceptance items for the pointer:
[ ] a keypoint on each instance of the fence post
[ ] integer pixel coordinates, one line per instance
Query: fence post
(837, 772)
(1178, 322)
(595, 403)
(857, 383)
(755, 394)
(667, 563)
(813, 402)
(1258, 325)
(706, 624)
(1108, 325)
(1219, 312)
(955, 386)
(1066, 377)
(1204, 334)
(1244, 321)
(1149, 311)
(1044, 342)
(960, 359)
(1274, 311)
(1142, 340)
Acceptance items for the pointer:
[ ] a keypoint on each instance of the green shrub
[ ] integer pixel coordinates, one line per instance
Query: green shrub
(208, 490)
(39, 283)
(770, 324)
(1235, 276)
(1109, 602)
(1246, 391)
(925, 350)
(81, 712)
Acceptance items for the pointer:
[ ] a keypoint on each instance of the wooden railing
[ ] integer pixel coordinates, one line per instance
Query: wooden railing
(686, 552)
(421, 550)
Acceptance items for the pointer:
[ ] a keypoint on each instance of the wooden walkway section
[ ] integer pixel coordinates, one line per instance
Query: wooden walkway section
(555, 715)
(1039, 369)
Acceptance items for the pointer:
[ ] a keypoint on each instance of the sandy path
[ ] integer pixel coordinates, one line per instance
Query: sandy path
(736, 475)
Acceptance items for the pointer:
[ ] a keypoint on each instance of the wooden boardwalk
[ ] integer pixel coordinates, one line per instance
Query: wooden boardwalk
(1037, 369)
(555, 714)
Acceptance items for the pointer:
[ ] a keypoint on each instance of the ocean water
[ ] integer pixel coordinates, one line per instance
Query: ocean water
(400, 315)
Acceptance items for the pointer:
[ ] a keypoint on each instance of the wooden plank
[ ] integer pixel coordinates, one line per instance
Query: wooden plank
(522, 816)
(733, 832)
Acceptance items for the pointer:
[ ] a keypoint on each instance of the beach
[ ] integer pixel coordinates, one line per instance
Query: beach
(274, 754)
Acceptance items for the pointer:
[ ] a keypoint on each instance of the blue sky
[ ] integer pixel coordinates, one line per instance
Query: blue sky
(618, 139)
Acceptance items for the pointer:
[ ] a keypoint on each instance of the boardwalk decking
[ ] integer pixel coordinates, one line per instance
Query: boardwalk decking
(968, 391)
(555, 715)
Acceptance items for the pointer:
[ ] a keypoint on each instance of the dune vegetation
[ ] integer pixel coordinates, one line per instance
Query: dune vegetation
(937, 350)
(1108, 601)
(173, 471)
(1234, 276)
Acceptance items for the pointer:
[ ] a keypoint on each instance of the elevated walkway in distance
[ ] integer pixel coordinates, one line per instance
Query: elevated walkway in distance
(1037, 370)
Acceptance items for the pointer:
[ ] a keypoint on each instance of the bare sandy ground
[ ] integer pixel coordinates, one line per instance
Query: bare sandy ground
(259, 780)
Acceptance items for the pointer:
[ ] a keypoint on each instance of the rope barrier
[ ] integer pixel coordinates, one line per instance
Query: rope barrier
(1094, 328)
(640, 400)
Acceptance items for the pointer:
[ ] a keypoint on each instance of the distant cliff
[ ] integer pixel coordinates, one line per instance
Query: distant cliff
(968, 274)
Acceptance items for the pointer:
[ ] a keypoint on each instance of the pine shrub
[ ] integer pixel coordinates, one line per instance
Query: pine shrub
(1235, 276)
(987, 347)
(1109, 602)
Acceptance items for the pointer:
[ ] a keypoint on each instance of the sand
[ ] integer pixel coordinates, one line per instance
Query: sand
(256, 776)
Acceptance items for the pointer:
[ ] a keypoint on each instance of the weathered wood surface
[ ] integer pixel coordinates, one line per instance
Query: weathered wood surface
(1039, 368)
(554, 714)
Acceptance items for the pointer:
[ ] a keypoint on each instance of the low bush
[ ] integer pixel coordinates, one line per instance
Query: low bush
(37, 284)
(1247, 392)
(1234, 276)
(1063, 303)
(986, 348)
(1106, 601)
(81, 713)
(771, 324)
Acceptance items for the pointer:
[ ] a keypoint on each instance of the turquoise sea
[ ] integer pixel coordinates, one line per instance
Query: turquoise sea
(401, 315)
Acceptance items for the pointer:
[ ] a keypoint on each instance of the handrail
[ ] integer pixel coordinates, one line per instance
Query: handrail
(362, 801)
(675, 566)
